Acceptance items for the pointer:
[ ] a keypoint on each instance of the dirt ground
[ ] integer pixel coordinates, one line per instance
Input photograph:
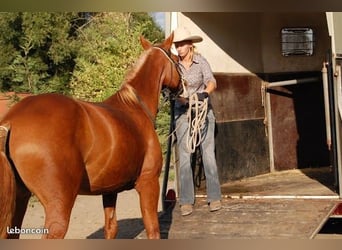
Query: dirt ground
(86, 221)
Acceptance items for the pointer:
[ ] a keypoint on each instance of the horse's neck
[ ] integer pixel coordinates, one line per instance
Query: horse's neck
(146, 84)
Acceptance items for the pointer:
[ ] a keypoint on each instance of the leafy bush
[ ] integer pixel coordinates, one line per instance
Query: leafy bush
(85, 55)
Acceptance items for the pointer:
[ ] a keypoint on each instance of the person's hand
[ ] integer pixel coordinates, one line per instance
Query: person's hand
(184, 101)
(202, 96)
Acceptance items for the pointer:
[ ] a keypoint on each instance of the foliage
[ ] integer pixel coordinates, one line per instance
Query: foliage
(85, 55)
(163, 124)
(110, 45)
(37, 51)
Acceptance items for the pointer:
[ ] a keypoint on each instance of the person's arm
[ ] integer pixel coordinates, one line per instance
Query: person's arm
(211, 86)
(208, 77)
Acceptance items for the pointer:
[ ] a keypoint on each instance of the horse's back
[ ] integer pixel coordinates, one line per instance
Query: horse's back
(41, 107)
(100, 146)
(42, 120)
(40, 142)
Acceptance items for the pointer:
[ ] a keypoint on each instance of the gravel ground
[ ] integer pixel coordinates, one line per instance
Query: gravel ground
(87, 217)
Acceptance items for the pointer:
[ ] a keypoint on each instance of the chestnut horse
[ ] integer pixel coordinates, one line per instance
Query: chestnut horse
(56, 148)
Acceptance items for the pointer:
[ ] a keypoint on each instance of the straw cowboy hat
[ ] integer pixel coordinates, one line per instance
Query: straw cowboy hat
(183, 34)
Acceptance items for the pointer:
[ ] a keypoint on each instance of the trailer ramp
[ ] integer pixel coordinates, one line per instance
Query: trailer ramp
(292, 204)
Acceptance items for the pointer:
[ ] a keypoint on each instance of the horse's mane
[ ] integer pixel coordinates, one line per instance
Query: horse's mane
(127, 93)
(136, 67)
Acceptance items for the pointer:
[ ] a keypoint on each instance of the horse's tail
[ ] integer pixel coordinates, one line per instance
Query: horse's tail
(7, 185)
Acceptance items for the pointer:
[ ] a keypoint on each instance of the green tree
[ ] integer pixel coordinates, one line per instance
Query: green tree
(9, 33)
(39, 52)
(85, 55)
(110, 45)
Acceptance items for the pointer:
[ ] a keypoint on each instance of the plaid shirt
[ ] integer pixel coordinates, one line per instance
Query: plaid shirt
(198, 75)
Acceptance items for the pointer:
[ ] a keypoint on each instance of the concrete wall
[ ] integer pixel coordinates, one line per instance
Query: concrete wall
(251, 42)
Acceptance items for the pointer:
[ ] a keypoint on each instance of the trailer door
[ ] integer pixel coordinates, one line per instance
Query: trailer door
(335, 30)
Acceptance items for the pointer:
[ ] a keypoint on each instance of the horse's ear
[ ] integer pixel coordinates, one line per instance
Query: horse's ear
(145, 43)
(168, 42)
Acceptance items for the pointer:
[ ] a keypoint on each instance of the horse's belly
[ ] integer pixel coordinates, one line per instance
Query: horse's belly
(113, 176)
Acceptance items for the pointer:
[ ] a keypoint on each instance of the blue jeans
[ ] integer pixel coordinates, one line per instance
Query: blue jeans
(187, 193)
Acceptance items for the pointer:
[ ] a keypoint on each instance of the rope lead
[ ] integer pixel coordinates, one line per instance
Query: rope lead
(197, 114)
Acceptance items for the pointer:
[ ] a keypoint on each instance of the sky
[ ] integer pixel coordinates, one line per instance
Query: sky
(159, 18)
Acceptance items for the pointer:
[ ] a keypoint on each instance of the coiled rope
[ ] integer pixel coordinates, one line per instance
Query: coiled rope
(197, 114)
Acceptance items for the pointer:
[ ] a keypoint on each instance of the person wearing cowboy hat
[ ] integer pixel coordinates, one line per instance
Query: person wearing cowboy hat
(200, 82)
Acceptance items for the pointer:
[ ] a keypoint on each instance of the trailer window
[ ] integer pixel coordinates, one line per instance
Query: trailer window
(297, 41)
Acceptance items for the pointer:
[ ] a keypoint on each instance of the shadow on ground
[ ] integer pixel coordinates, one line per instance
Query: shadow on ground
(134, 228)
(128, 229)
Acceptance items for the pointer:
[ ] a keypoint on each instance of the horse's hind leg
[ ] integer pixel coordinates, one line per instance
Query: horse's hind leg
(148, 189)
(58, 202)
(22, 197)
(111, 225)
(57, 211)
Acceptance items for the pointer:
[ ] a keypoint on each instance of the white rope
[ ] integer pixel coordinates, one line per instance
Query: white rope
(4, 128)
(197, 114)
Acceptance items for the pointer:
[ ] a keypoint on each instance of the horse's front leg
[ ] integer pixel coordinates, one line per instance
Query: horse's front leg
(148, 190)
(111, 225)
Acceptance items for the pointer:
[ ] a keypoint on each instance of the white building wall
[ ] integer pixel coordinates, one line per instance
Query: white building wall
(250, 42)
(219, 60)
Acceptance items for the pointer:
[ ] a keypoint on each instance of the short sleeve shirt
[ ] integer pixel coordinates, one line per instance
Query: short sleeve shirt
(198, 75)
